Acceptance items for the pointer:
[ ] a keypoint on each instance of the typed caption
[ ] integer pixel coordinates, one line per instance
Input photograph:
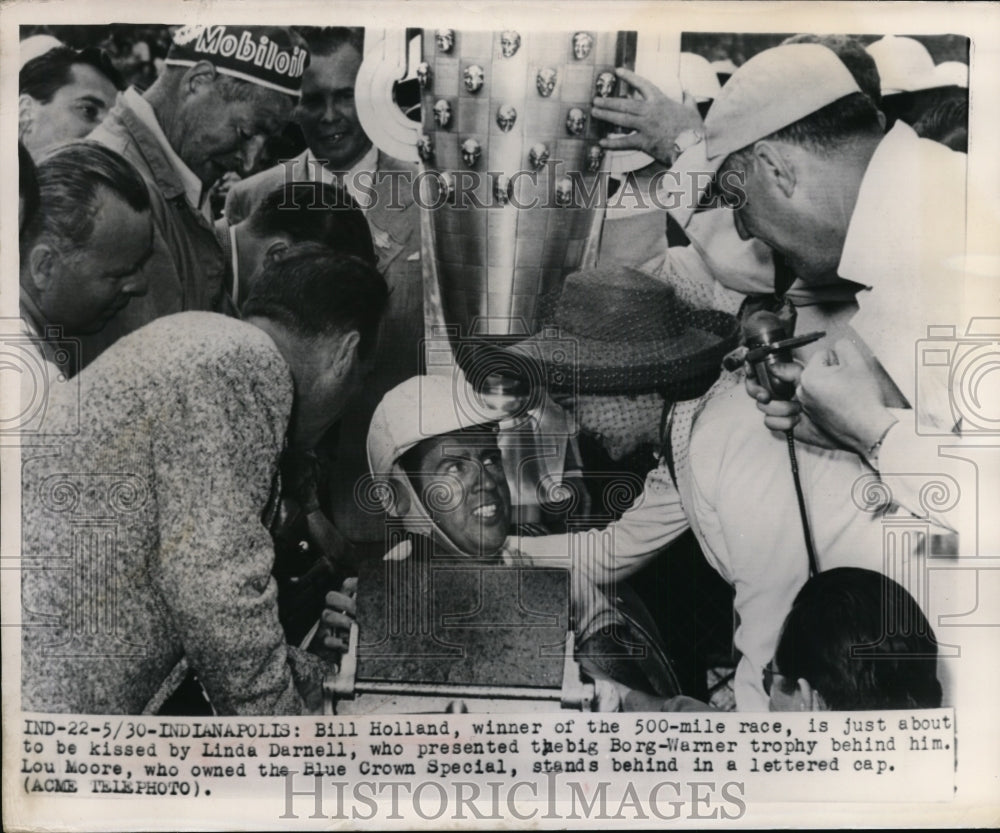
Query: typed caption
(364, 767)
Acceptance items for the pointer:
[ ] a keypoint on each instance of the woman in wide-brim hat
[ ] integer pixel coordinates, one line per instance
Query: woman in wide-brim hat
(617, 330)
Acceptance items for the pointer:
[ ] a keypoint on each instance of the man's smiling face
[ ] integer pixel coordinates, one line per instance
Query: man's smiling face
(326, 112)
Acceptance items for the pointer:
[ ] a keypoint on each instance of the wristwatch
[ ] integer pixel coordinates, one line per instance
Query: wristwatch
(687, 139)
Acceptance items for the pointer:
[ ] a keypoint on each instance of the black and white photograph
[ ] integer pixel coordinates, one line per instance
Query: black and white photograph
(500, 416)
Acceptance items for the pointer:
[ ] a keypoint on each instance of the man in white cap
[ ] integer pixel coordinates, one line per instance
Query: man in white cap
(707, 261)
(904, 64)
(911, 83)
(224, 91)
(821, 185)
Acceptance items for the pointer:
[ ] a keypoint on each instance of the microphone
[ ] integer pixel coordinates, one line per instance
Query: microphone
(769, 344)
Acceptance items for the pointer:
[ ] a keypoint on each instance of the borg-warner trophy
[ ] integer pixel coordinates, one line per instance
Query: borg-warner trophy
(512, 190)
(507, 130)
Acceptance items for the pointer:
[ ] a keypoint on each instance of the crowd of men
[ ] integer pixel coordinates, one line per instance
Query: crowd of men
(238, 375)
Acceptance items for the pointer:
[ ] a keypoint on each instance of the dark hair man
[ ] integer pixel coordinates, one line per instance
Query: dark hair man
(180, 430)
(854, 639)
(947, 122)
(339, 151)
(209, 112)
(63, 94)
(299, 212)
(83, 252)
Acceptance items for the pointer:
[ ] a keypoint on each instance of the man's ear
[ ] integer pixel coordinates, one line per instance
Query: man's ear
(777, 168)
(25, 114)
(346, 353)
(198, 79)
(42, 266)
(811, 700)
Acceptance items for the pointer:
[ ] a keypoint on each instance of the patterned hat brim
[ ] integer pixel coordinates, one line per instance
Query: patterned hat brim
(680, 367)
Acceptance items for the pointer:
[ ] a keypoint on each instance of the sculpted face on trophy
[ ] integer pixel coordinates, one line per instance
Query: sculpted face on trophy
(447, 184)
(510, 42)
(506, 116)
(605, 84)
(445, 40)
(471, 151)
(564, 191)
(595, 155)
(423, 74)
(538, 155)
(545, 81)
(576, 121)
(583, 42)
(474, 76)
(503, 189)
(425, 147)
(442, 113)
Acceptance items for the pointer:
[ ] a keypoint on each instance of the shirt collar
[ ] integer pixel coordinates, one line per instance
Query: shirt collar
(235, 261)
(884, 180)
(31, 315)
(145, 113)
(368, 162)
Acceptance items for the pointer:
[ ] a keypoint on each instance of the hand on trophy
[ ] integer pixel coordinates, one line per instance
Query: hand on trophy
(656, 119)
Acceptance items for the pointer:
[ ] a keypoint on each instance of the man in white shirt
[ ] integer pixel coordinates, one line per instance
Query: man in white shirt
(820, 184)
(738, 496)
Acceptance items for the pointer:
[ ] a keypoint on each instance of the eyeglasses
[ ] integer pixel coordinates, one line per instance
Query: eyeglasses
(768, 675)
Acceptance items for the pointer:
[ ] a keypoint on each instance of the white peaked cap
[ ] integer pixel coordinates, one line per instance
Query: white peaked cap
(698, 79)
(952, 74)
(904, 64)
(37, 45)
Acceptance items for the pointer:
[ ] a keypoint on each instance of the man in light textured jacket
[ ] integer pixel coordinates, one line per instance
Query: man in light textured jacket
(146, 511)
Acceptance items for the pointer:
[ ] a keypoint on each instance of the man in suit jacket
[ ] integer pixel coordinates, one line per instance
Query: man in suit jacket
(338, 150)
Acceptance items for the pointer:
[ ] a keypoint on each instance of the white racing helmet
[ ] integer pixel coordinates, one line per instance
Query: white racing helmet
(415, 410)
